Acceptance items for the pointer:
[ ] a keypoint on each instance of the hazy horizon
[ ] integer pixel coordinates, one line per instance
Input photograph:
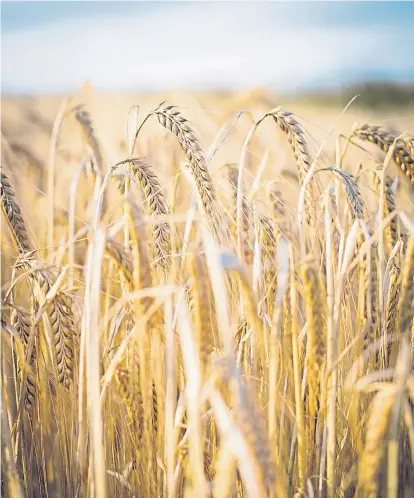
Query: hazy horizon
(54, 47)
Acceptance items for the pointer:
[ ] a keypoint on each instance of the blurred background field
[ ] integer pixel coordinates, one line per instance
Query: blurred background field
(27, 125)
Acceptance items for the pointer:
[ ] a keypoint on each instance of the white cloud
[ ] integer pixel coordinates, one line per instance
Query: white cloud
(196, 45)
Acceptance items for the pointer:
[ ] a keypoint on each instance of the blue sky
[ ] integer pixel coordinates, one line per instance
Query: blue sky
(56, 46)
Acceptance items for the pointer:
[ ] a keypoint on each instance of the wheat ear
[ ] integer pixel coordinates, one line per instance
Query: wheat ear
(375, 444)
(13, 214)
(247, 251)
(63, 330)
(371, 295)
(288, 123)
(352, 191)
(407, 289)
(177, 124)
(22, 322)
(62, 323)
(313, 294)
(384, 139)
(157, 204)
(391, 311)
(122, 259)
(269, 239)
(391, 229)
(84, 119)
(130, 390)
(250, 422)
(200, 307)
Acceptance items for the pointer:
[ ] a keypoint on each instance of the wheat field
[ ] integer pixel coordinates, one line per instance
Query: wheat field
(206, 295)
